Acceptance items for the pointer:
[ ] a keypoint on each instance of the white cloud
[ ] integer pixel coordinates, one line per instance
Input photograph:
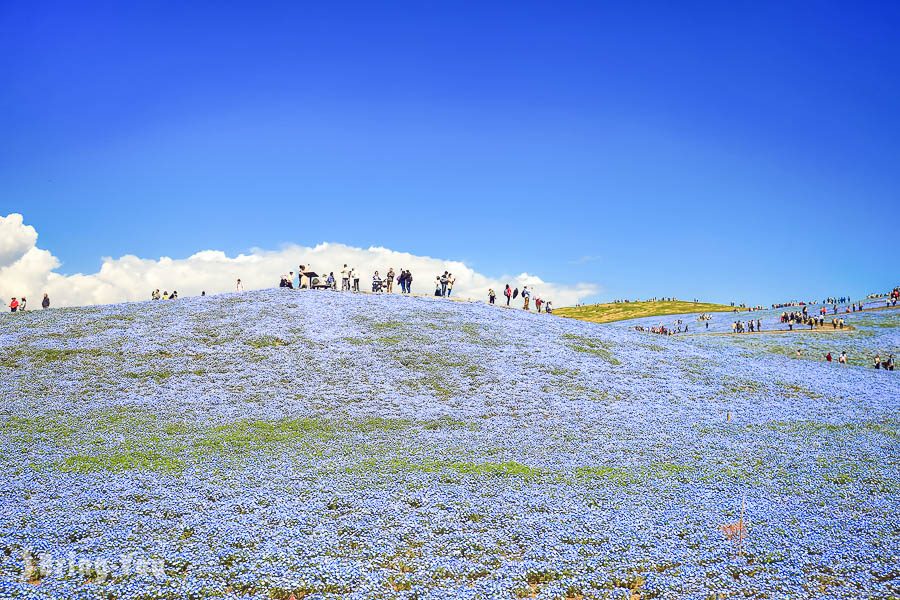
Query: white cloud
(26, 270)
(15, 239)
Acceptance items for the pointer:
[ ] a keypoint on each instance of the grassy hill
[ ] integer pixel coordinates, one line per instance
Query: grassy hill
(607, 313)
(329, 445)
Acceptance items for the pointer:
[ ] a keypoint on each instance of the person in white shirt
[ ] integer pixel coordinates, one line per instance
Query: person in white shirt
(346, 274)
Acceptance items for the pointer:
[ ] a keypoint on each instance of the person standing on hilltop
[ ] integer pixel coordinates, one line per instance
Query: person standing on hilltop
(22, 304)
(450, 281)
(508, 293)
(345, 278)
(13, 304)
(526, 294)
(492, 296)
(442, 280)
(45, 303)
(408, 281)
(300, 271)
(239, 287)
(390, 280)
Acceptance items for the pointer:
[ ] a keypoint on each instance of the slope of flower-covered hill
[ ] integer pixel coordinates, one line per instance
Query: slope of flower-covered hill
(320, 444)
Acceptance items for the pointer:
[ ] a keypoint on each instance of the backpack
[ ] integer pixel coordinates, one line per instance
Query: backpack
(515, 293)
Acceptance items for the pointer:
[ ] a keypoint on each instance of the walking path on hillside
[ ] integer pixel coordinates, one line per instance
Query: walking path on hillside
(798, 329)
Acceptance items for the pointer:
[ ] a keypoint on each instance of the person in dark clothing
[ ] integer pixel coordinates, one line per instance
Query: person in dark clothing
(45, 303)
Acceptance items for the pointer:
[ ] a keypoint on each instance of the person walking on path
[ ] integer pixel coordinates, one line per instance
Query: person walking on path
(45, 303)
(526, 294)
(492, 296)
(354, 275)
(537, 304)
(390, 280)
(450, 281)
(508, 293)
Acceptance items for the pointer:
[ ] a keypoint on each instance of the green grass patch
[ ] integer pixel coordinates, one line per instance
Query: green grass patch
(593, 346)
(39, 357)
(124, 460)
(131, 438)
(266, 341)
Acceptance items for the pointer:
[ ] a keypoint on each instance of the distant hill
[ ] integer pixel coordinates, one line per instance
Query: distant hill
(622, 311)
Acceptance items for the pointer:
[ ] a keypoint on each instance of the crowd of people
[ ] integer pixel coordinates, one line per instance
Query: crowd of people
(443, 285)
(156, 295)
(812, 321)
(21, 304)
(887, 364)
(678, 326)
(746, 326)
(511, 294)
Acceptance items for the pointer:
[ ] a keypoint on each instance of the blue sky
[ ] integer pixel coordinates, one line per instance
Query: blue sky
(727, 151)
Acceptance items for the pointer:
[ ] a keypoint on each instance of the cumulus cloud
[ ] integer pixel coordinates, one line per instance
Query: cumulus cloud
(26, 270)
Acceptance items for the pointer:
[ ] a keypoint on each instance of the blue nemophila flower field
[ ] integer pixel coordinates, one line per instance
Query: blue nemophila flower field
(319, 444)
